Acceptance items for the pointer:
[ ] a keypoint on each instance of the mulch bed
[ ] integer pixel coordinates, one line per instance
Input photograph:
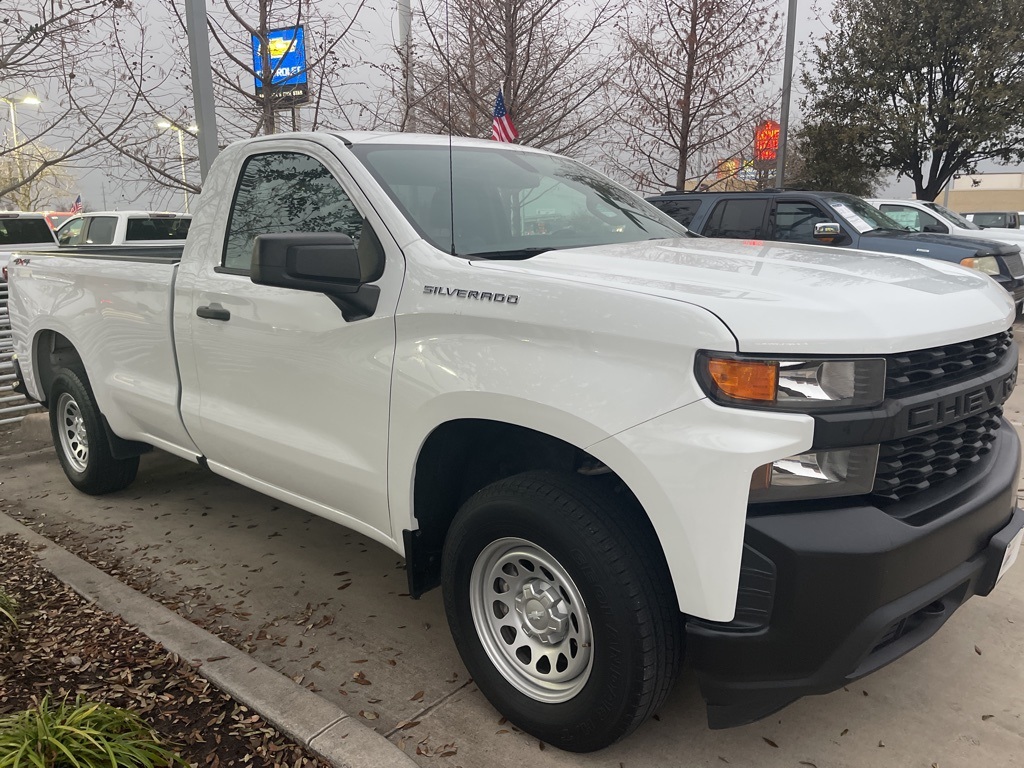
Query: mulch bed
(65, 645)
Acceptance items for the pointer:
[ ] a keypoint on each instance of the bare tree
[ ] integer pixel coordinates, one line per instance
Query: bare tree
(57, 51)
(549, 56)
(150, 143)
(695, 84)
(48, 189)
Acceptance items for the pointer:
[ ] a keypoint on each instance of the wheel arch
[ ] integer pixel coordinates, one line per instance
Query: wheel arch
(51, 351)
(461, 456)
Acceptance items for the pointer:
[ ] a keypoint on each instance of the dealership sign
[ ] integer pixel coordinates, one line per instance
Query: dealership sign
(286, 65)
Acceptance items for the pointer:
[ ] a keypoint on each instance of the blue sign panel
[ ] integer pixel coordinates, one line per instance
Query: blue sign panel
(286, 62)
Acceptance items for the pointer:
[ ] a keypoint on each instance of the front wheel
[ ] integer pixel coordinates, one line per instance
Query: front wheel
(561, 606)
(81, 442)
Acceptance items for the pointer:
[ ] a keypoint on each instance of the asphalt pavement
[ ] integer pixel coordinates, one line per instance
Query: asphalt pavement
(327, 608)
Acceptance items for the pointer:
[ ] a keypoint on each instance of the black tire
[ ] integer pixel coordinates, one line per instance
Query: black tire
(610, 556)
(81, 441)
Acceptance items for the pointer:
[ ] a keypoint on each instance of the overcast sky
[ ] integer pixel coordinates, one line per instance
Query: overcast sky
(99, 192)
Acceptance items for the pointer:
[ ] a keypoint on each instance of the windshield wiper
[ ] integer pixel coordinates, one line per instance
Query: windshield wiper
(885, 229)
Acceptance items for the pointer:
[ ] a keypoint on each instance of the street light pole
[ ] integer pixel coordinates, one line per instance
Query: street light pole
(167, 125)
(184, 179)
(14, 123)
(15, 152)
(11, 104)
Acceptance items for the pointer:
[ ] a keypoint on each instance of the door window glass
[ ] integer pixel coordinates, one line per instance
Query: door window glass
(736, 218)
(101, 230)
(72, 233)
(157, 229)
(285, 192)
(913, 218)
(795, 220)
(682, 211)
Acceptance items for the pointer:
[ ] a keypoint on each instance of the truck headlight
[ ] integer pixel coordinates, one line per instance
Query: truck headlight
(984, 264)
(800, 385)
(816, 475)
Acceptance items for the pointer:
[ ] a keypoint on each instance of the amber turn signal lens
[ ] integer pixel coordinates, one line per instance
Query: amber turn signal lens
(745, 379)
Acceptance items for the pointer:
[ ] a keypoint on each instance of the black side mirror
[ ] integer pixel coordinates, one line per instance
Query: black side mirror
(322, 262)
(937, 229)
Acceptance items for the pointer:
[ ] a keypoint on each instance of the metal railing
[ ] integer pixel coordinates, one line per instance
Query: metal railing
(13, 406)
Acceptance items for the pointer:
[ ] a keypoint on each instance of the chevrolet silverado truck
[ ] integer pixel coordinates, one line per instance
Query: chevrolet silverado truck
(606, 440)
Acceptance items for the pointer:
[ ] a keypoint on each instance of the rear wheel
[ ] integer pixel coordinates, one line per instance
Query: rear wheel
(560, 603)
(81, 441)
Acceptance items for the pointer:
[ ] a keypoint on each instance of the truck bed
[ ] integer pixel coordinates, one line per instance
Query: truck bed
(114, 305)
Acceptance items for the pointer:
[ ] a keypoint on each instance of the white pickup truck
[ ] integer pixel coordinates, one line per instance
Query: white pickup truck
(22, 231)
(607, 440)
(134, 228)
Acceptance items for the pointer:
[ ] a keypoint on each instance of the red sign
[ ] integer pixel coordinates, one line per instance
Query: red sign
(766, 141)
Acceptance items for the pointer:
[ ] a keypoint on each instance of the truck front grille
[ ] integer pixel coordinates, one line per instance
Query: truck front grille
(911, 372)
(916, 463)
(1014, 265)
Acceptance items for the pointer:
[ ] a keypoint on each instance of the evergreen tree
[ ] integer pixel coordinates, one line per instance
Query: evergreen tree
(924, 88)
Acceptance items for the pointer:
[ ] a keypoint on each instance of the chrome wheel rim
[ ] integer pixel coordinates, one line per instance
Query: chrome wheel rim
(531, 620)
(74, 440)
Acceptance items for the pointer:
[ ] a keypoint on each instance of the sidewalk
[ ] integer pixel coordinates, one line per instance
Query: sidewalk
(312, 721)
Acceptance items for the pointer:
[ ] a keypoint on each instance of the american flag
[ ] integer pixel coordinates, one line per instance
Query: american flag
(502, 129)
(77, 207)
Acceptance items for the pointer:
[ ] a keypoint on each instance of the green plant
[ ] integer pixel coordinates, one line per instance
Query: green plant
(8, 610)
(81, 735)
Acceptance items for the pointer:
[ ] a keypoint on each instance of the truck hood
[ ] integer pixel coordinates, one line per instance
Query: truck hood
(794, 298)
(934, 245)
(1003, 235)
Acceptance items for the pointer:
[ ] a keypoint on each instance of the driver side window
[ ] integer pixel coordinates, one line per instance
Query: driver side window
(912, 218)
(795, 220)
(72, 233)
(282, 192)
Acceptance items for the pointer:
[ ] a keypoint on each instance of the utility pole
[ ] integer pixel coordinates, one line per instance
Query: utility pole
(787, 91)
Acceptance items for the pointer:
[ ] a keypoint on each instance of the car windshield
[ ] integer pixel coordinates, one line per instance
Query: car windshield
(509, 203)
(987, 220)
(949, 215)
(863, 216)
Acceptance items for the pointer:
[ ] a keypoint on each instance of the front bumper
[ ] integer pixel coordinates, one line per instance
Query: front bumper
(832, 592)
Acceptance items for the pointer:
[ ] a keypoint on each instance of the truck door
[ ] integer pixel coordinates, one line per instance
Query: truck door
(279, 391)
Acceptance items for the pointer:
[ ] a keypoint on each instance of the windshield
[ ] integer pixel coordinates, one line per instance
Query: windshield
(989, 220)
(863, 216)
(509, 203)
(948, 215)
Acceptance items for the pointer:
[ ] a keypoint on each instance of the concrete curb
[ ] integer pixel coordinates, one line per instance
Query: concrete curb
(310, 720)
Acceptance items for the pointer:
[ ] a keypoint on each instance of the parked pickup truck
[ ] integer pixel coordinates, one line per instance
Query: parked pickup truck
(607, 441)
(124, 228)
(926, 216)
(22, 231)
